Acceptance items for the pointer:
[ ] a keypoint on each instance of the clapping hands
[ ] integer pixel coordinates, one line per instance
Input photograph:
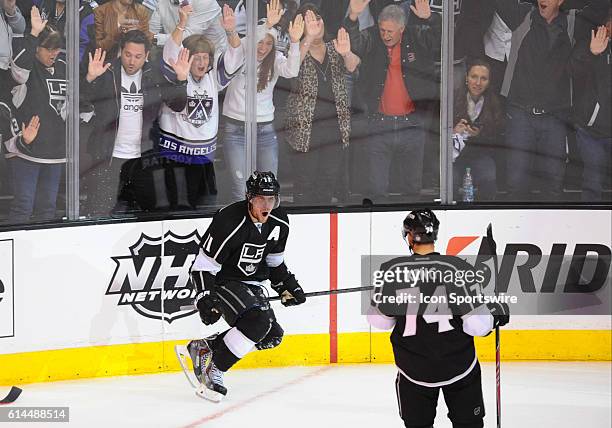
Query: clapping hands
(29, 133)
(599, 40)
(274, 13)
(228, 20)
(342, 44)
(37, 23)
(182, 65)
(96, 67)
(296, 29)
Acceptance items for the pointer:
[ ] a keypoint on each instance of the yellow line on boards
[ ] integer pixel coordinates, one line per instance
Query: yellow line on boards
(296, 350)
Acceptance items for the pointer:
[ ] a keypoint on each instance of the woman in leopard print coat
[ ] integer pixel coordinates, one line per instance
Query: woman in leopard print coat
(318, 118)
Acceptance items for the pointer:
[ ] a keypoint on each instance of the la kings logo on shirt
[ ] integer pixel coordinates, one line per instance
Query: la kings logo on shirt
(250, 257)
(57, 95)
(145, 277)
(199, 109)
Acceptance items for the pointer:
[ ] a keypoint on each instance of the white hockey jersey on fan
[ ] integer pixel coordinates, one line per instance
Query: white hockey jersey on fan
(190, 136)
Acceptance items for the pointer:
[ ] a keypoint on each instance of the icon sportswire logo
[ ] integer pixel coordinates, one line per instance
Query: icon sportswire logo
(156, 285)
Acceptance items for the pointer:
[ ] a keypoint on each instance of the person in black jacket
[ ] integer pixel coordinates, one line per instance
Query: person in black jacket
(592, 68)
(396, 79)
(537, 86)
(478, 125)
(126, 95)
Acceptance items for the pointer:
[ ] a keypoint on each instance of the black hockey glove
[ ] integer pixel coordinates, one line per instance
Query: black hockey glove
(206, 299)
(500, 312)
(207, 303)
(290, 291)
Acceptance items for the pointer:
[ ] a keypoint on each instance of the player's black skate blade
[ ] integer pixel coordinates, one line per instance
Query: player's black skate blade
(216, 394)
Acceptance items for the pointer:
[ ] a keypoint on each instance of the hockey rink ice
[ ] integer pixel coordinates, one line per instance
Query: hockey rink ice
(534, 394)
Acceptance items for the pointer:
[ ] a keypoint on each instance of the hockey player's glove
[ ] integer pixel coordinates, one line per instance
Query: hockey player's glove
(207, 303)
(206, 299)
(500, 312)
(290, 291)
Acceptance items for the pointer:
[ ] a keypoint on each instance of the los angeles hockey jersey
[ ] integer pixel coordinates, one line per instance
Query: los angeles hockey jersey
(40, 91)
(234, 248)
(190, 136)
(431, 350)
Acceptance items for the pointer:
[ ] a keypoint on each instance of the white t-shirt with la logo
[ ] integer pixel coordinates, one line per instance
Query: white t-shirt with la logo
(127, 143)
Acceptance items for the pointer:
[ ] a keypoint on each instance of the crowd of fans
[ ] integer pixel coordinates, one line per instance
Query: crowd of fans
(347, 101)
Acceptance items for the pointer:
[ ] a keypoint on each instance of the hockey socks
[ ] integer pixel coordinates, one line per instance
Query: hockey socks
(230, 347)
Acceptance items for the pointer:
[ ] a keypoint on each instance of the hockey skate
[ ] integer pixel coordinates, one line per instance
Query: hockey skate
(205, 378)
(212, 387)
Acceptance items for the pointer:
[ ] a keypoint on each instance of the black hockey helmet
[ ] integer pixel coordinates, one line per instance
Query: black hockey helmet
(263, 183)
(423, 225)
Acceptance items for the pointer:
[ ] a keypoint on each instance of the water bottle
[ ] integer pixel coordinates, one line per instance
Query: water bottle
(468, 186)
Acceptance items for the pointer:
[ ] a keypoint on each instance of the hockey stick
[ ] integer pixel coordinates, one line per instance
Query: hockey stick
(311, 294)
(493, 247)
(330, 292)
(13, 394)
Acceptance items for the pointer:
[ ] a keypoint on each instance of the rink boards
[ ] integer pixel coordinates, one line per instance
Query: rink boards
(85, 301)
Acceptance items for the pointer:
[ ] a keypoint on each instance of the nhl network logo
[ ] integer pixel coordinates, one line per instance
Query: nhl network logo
(156, 286)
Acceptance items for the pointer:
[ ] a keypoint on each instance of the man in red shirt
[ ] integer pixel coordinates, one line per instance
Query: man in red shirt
(396, 81)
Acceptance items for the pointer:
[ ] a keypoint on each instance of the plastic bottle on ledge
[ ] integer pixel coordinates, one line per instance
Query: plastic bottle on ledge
(468, 186)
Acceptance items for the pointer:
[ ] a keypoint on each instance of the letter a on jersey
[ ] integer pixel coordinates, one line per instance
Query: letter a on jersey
(275, 234)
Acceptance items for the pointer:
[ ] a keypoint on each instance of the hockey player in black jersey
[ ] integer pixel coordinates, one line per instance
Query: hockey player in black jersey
(436, 352)
(242, 248)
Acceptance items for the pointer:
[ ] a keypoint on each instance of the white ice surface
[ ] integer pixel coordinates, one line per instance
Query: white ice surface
(538, 395)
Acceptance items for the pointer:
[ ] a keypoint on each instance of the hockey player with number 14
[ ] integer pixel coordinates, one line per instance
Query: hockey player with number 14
(242, 248)
(434, 352)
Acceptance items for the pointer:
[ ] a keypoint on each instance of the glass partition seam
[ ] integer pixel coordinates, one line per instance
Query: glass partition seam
(446, 108)
(72, 119)
(250, 128)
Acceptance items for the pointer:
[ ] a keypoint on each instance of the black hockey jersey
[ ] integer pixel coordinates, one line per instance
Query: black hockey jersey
(434, 350)
(41, 91)
(235, 249)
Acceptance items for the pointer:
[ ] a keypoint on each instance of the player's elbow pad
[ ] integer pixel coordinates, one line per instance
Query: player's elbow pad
(203, 280)
(378, 320)
(477, 325)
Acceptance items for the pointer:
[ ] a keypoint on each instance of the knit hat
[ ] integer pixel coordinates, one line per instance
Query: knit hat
(263, 30)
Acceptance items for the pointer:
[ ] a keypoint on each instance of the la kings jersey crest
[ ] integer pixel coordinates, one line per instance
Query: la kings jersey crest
(57, 95)
(190, 136)
(250, 257)
(199, 109)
